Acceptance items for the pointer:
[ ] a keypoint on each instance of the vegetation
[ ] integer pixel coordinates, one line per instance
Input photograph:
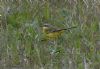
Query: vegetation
(20, 34)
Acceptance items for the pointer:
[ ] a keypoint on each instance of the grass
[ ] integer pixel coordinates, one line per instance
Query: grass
(20, 34)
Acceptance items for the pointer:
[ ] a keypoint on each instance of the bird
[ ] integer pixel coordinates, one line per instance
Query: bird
(51, 32)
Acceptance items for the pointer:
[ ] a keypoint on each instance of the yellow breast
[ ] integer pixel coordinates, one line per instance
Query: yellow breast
(54, 35)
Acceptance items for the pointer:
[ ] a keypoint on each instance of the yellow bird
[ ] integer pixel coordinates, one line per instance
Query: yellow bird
(51, 33)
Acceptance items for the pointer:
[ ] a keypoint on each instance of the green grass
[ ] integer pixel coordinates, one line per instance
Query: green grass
(21, 34)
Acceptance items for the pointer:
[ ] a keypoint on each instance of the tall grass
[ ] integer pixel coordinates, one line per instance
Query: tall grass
(21, 34)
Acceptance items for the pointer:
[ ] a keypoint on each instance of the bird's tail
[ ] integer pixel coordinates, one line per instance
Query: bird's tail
(69, 28)
(63, 29)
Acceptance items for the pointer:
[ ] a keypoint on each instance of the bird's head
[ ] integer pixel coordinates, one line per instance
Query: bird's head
(46, 28)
